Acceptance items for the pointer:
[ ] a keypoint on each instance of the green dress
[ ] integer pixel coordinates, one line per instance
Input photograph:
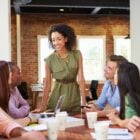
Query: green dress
(65, 72)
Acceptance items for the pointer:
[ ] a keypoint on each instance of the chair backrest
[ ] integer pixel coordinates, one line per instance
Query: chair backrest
(93, 89)
(23, 88)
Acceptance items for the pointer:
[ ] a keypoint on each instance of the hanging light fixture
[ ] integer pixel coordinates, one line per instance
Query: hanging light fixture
(127, 37)
(20, 2)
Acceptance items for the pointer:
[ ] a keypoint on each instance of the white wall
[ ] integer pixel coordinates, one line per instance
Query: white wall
(135, 31)
(5, 30)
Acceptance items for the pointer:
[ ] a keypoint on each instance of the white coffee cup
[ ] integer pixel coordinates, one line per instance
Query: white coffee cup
(91, 118)
(101, 130)
(52, 127)
(62, 118)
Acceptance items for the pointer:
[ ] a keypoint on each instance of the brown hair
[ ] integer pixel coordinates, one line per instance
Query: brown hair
(4, 85)
(119, 59)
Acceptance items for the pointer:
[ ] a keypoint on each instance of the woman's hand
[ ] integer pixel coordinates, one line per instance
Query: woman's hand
(116, 120)
(38, 110)
(113, 117)
(133, 123)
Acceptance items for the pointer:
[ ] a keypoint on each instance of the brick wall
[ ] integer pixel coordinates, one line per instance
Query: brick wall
(33, 25)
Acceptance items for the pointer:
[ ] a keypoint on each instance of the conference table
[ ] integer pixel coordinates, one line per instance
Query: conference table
(74, 133)
(79, 132)
(83, 132)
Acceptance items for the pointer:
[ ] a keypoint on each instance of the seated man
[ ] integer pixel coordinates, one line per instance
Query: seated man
(9, 128)
(110, 93)
(18, 106)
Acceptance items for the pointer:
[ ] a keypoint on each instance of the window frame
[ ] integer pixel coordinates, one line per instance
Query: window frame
(115, 46)
(103, 37)
(40, 79)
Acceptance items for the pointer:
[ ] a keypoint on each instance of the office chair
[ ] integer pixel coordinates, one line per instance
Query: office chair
(23, 88)
(93, 91)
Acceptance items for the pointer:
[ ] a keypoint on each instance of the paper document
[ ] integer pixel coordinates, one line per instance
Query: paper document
(117, 134)
(118, 131)
(107, 121)
(36, 127)
(71, 122)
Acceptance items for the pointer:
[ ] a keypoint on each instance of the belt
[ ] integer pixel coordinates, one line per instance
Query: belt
(66, 81)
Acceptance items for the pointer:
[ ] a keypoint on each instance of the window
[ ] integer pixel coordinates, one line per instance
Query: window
(92, 49)
(44, 51)
(122, 47)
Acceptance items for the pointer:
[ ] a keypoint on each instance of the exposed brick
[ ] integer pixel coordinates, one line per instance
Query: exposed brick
(33, 25)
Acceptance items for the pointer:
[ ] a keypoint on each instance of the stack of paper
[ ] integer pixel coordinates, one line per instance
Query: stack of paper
(117, 134)
(71, 122)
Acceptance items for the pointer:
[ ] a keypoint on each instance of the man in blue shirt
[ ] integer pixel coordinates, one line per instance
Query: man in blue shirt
(110, 93)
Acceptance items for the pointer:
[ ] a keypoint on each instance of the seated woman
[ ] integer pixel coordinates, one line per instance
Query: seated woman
(128, 80)
(18, 106)
(8, 127)
(5, 92)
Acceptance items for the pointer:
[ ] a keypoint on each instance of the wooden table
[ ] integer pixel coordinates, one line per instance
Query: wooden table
(74, 133)
(77, 133)
(82, 132)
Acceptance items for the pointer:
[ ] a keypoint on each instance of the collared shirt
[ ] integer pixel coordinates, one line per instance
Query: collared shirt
(18, 107)
(109, 96)
(6, 124)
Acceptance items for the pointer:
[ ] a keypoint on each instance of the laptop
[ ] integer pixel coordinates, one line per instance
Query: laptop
(59, 104)
(57, 108)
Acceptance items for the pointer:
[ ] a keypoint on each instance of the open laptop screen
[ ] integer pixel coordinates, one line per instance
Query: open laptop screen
(59, 104)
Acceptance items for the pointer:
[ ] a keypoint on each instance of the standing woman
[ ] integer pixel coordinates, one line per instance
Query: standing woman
(65, 66)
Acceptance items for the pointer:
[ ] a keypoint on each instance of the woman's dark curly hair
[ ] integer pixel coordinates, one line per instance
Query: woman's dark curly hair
(65, 31)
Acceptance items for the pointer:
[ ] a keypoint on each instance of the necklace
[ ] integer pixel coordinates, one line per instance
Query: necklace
(63, 56)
